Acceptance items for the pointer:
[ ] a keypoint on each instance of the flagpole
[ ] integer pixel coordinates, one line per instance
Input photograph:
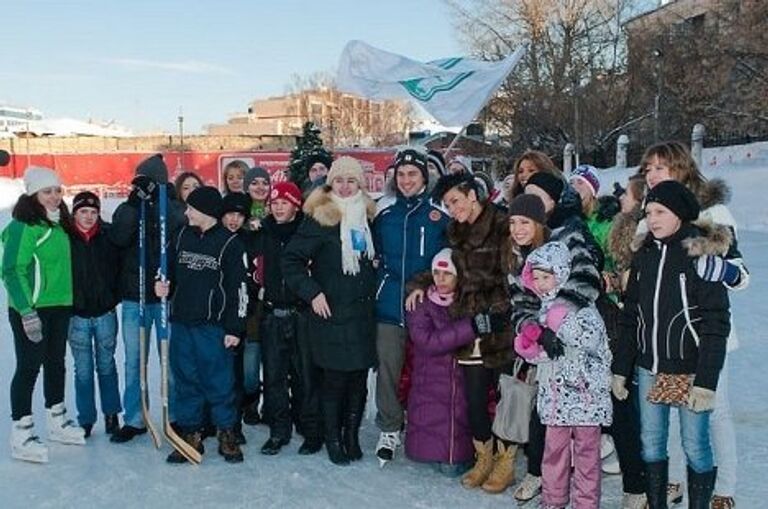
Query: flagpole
(455, 139)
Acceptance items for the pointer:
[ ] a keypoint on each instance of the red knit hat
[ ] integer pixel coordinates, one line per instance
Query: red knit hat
(286, 191)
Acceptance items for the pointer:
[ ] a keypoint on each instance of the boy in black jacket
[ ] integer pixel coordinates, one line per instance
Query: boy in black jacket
(93, 327)
(286, 356)
(674, 328)
(207, 318)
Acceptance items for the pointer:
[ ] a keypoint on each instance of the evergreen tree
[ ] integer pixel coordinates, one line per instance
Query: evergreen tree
(308, 151)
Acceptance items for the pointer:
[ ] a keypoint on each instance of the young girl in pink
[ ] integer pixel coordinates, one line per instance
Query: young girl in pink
(570, 345)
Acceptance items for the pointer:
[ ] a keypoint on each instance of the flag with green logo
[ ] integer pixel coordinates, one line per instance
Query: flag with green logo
(452, 90)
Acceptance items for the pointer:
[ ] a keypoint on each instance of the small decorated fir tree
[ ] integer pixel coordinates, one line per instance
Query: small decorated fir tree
(308, 151)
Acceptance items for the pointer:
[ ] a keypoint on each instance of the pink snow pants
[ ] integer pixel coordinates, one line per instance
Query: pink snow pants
(556, 466)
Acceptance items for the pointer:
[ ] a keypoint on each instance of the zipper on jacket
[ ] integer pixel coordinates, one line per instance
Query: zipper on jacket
(421, 242)
(687, 313)
(402, 261)
(656, 291)
(381, 285)
(38, 288)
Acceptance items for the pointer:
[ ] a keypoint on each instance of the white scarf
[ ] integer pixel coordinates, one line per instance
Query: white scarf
(354, 220)
(54, 216)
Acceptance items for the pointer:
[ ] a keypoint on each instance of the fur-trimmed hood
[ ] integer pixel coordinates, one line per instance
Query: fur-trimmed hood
(322, 209)
(706, 238)
(713, 192)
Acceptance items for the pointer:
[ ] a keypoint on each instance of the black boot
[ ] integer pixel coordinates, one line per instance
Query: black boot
(656, 477)
(331, 403)
(311, 445)
(111, 424)
(239, 437)
(251, 414)
(352, 418)
(700, 487)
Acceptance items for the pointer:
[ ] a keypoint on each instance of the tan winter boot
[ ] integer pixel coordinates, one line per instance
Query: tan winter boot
(503, 473)
(483, 465)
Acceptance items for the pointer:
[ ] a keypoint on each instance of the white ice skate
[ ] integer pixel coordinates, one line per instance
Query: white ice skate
(61, 429)
(25, 445)
(388, 444)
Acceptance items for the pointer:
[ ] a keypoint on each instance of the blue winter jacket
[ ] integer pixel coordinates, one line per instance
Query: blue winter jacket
(407, 233)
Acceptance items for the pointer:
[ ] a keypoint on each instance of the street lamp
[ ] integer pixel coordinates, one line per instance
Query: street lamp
(180, 160)
(658, 55)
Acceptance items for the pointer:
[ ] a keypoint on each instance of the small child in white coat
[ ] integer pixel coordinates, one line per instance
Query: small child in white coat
(571, 347)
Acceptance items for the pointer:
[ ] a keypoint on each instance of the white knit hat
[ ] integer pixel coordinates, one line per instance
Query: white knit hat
(37, 178)
(443, 261)
(346, 166)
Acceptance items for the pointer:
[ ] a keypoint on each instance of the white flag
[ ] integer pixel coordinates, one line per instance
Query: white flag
(453, 90)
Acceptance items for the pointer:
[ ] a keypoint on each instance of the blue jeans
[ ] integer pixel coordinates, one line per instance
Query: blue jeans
(132, 391)
(654, 429)
(205, 374)
(88, 336)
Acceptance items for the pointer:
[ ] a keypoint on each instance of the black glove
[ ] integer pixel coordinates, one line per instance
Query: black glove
(144, 189)
(488, 323)
(551, 344)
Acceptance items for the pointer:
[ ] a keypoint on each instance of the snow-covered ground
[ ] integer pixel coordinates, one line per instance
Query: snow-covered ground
(102, 474)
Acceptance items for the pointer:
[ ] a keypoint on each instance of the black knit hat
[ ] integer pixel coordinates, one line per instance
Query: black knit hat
(236, 202)
(414, 157)
(85, 199)
(676, 197)
(530, 206)
(448, 182)
(319, 157)
(207, 200)
(551, 184)
(154, 167)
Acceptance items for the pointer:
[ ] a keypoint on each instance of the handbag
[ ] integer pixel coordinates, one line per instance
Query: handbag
(513, 412)
(670, 389)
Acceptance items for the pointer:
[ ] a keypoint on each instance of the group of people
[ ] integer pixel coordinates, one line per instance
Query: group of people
(612, 309)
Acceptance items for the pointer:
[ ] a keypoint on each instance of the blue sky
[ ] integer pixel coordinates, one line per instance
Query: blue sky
(137, 61)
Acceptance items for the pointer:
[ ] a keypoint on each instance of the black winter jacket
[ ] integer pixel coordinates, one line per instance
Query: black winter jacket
(125, 235)
(208, 276)
(673, 321)
(312, 264)
(95, 271)
(270, 243)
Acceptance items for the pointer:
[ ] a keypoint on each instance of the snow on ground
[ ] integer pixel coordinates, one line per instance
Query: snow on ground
(130, 475)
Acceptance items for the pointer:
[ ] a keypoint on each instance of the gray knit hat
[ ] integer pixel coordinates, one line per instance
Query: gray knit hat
(257, 172)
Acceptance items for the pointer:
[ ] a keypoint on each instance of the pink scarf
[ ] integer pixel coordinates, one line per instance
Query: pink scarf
(441, 299)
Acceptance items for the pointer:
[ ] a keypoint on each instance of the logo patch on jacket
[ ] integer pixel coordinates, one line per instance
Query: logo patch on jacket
(197, 261)
(435, 215)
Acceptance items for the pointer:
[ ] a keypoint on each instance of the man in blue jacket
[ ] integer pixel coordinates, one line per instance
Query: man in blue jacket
(408, 231)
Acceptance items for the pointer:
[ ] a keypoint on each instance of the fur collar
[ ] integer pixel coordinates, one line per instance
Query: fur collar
(322, 209)
(713, 239)
(706, 238)
(471, 236)
(713, 192)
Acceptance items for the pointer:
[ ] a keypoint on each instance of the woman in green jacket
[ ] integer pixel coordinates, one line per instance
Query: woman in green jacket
(37, 273)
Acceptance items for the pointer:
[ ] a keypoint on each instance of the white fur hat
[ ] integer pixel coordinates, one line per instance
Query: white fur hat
(346, 166)
(37, 178)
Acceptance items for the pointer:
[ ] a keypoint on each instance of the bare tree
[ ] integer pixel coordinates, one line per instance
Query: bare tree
(574, 67)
